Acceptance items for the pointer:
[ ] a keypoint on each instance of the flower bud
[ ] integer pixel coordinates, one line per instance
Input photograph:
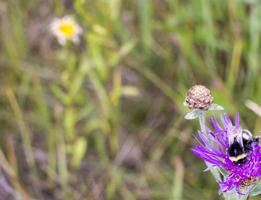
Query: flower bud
(199, 97)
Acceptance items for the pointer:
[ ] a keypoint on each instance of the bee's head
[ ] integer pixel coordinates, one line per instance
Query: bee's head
(235, 134)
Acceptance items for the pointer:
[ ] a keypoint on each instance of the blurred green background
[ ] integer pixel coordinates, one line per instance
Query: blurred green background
(104, 119)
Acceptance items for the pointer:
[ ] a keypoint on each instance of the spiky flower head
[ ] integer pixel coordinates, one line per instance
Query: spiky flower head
(214, 146)
(199, 97)
(66, 29)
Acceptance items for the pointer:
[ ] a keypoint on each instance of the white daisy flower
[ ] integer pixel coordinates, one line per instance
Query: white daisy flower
(66, 28)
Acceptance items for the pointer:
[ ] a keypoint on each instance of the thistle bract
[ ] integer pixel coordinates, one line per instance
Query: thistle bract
(213, 147)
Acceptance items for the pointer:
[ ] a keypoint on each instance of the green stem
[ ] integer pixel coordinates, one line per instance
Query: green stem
(62, 162)
(202, 121)
(25, 133)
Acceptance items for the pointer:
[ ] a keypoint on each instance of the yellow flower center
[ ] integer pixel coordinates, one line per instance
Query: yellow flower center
(67, 29)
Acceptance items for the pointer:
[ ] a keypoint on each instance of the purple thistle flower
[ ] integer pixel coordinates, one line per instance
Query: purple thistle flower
(214, 146)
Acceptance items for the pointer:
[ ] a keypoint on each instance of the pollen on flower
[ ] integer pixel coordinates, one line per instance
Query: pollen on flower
(67, 29)
(249, 181)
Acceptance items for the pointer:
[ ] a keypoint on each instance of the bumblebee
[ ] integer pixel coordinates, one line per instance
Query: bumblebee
(238, 152)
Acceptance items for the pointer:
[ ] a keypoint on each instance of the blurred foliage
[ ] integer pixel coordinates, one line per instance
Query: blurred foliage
(104, 119)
